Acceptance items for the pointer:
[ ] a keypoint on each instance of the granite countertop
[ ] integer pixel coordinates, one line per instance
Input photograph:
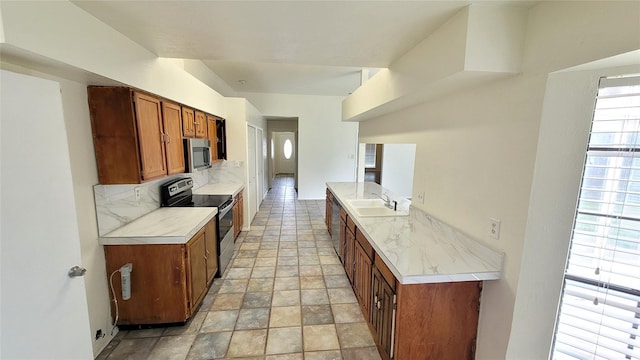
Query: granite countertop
(220, 189)
(418, 248)
(167, 225)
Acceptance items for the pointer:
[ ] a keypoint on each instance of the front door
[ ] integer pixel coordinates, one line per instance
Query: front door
(44, 311)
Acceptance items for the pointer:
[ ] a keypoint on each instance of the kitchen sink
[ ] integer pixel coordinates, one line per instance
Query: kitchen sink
(373, 207)
(367, 203)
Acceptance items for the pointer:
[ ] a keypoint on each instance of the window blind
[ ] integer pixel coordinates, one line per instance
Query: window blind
(599, 313)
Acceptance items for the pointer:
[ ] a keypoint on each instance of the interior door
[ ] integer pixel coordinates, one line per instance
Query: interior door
(44, 311)
(284, 164)
(252, 186)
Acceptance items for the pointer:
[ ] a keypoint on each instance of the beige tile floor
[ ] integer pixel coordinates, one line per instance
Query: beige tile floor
(284, 296)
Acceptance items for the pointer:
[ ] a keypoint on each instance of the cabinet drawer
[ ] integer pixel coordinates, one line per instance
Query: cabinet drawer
(366, 246)
(385, 272)
(343, 215)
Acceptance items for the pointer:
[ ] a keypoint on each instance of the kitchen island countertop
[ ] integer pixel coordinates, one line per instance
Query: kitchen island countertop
(418, 248)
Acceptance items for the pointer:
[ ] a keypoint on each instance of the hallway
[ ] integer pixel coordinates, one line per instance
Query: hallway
(284, 296)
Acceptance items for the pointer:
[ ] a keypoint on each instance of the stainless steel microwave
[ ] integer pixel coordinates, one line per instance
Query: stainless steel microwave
(197, 154)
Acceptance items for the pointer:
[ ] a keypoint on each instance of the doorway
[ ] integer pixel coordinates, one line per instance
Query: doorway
(282, 134)
(284, 154)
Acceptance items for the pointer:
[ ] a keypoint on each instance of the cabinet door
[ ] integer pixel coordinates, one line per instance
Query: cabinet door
(201, 125)
(221, 134)
(383, 314)
(158, 287)
(236, 218)
(213, 137)
(188, 122)
(152, 147)
(328, 210)
(343, 241)
(172, 121)
(196, 250)
(348, 254)
(211, 240)
(362, 279)
(240, 212)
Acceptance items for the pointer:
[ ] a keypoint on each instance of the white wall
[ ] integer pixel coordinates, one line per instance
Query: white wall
(326, 145)
(476, 155)
(569, 96)
(240, 113)
(397, 168)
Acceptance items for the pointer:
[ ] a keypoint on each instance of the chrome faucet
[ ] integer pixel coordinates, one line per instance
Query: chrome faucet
(387, 201)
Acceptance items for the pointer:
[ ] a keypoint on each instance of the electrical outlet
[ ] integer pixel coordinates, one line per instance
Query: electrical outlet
(421, 197)
(494, 230)
(136, 192)
(99, 334)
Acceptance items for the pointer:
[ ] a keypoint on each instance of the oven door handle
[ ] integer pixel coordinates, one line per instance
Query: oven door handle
(225, 207)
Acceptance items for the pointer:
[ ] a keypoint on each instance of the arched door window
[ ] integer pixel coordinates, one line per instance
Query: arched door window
(288, 149)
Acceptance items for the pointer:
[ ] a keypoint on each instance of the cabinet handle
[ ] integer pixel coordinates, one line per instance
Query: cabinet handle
(375, 301)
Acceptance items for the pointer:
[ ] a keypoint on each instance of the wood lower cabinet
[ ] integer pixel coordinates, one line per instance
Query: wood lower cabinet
(238, 214)
(383, 308)
(168, 282)
(437, 321)
(197, 267)
(409, 321)
(363, 259)
(343, 236)
(201, 125)
(328, 211)
(423, 321)
(349, 248)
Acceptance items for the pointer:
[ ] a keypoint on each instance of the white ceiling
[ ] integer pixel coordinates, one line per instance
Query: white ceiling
(296, 47)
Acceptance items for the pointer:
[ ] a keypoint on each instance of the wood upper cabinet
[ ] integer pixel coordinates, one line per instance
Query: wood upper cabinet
(201, 125)
(150, 135)
(172, 116)
(212, 135)
(363, 259)
(168, 281)
(188, 122)
(130, 135)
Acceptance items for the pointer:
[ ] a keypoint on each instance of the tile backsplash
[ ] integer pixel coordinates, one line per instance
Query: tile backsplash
(116, 205)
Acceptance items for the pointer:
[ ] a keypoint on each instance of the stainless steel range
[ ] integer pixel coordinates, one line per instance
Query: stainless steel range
(178, 193)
